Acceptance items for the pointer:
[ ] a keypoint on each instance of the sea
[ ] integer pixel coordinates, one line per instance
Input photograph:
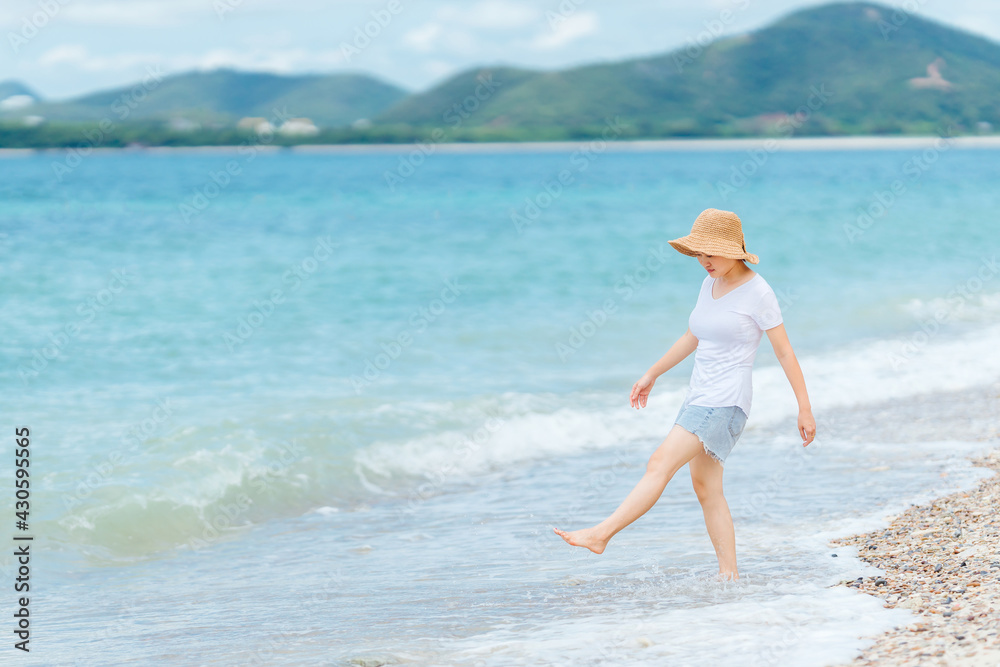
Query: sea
(325, 407)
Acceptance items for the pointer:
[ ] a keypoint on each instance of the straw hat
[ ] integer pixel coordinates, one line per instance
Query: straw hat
(715, 232)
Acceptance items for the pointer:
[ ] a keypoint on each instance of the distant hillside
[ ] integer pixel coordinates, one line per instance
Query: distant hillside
(434, 106)
(224, 96)
(881, 77)
(11, 88)
(845, 68)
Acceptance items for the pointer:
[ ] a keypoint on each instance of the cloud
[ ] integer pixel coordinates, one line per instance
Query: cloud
(429, 39)
(67, 53)
(439, 69)
(435, 37)
(278, 61)
(149, 13)
(424, 38)
(141, 13)
(490, 14)
(460, 28)
(566, 30)
(80, 58)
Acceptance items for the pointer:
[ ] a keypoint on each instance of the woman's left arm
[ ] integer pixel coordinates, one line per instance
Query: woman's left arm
(786, 357)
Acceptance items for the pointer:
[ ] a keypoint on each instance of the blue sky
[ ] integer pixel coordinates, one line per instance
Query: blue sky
(63, 48)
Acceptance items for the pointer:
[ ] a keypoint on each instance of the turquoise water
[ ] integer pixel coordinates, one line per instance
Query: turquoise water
(308, 417)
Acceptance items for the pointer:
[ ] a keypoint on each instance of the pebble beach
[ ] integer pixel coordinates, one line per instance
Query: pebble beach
(941, 561)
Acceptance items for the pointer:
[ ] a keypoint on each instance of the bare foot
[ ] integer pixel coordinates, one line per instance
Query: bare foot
(728, 576)
(588, 537)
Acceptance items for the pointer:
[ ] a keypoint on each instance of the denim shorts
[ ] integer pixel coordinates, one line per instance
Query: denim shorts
(717, 428)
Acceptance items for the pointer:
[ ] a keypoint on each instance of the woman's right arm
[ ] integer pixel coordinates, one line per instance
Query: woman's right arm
(684, 346)
(677, 353)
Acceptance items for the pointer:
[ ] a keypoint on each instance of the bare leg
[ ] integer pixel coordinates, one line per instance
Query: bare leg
(706, 477)
(679, 447)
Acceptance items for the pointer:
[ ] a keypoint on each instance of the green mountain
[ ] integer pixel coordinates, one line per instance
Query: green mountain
(224, 96)
(845, 68)
(438, 105)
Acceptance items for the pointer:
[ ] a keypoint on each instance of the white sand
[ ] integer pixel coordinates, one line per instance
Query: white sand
(638, 145)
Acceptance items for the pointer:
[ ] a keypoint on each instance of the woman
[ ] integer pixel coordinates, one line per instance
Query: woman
(735, 306)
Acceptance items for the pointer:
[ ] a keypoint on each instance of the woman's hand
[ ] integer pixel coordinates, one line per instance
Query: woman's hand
(640, 391)
(807, 426)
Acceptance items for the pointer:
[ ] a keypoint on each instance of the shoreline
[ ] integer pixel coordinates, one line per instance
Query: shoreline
(940, 560)
(851, 143)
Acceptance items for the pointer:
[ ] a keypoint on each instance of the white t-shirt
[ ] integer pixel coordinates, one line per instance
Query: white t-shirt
(729, 330)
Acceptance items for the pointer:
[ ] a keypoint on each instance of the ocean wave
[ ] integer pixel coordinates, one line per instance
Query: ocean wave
(530, 427)
(163, 498)
(964, 306)
(198, 486)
